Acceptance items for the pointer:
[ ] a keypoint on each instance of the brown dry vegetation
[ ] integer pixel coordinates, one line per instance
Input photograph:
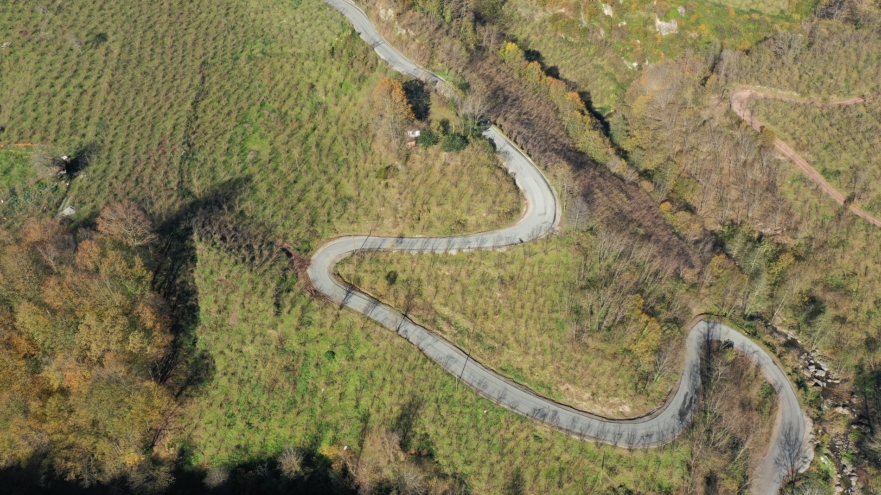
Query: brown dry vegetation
(82, 332)
(734, 419)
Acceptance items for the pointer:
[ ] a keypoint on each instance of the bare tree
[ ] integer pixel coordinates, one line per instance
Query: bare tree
(290, 463)
(790, 459)
(126, 222)
(476, 103)
(216, 476)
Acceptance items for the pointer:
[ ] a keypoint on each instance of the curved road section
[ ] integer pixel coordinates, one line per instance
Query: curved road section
(788, 451)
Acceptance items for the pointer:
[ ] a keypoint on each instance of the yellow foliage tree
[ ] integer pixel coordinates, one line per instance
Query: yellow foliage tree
(80, 329)
(392, 113)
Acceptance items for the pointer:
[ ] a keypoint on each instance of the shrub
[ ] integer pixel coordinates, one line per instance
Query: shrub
(127, 223)
(216, 476)
(290, 463)
(427, 138)
(453, 142)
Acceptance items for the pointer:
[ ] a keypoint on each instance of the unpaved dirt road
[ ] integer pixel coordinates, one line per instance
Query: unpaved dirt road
(740, 102)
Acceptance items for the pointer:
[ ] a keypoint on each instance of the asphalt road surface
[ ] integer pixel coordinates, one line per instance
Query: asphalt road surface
(541, 217)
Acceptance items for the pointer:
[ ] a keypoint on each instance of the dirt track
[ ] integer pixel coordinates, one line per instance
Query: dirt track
(740, 101)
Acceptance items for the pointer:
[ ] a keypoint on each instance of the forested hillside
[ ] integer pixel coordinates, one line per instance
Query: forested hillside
(83, 331)
(158, 332)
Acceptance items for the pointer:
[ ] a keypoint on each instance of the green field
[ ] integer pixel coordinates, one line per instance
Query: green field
(257, 109)
(544, 316)
(16, 170)
(304, 374)
(25, 189)
(180, 104)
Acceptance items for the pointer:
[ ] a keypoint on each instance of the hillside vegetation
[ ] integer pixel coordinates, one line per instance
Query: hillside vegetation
(805, 265)
(245, 134)
(581, 336)
(170, 103)
(330, 382)
(844, 156)
(82, 330)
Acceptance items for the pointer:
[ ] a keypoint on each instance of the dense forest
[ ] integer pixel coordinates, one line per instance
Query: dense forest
(157, 330)
(83, 334)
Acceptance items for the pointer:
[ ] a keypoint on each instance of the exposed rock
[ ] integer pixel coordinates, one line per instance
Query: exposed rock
(665, 28)
(386, 14)
(67, 212)
(607, 9)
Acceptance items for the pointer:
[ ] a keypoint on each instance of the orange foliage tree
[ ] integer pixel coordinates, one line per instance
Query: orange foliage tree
(80, 332)
(392, 113)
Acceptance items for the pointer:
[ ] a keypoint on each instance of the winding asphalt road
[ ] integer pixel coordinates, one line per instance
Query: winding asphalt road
(540, 218)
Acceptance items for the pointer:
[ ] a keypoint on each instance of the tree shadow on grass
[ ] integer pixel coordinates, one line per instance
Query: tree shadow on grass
(82, 159)
(186, 367)
(405, 423)
(318, 476)
(419, 98)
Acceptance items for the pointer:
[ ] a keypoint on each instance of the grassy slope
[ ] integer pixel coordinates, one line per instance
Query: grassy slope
(183, 98)
(828, 60)
(837, 141)
(177, 112)
(514, 312)
(275, 384)
(15, 169)
(24, 192)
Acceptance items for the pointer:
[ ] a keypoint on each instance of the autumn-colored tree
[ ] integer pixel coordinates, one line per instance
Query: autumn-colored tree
(127, 223)
(80, 331)
(392, 114)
